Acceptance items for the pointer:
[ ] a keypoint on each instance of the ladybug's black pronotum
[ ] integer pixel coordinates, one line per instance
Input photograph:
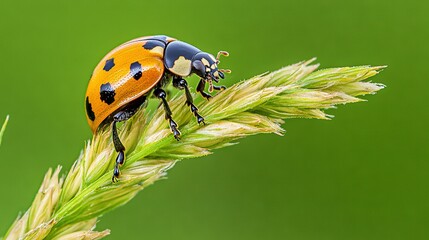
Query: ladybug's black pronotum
(127, 75)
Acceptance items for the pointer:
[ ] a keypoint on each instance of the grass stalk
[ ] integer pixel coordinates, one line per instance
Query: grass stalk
(69, 207)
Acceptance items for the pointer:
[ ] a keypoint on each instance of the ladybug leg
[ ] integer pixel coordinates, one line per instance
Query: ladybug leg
(219, 88)
(119, 147)
(200, 88)
(159, 93)
(181, 84)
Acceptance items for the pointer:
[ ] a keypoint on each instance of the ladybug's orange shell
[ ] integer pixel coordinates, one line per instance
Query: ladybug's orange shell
(117, 75)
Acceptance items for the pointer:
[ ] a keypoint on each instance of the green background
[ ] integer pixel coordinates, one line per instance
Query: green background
(363, 175)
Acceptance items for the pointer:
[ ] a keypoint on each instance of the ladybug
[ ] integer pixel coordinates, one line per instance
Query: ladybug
(137, 69)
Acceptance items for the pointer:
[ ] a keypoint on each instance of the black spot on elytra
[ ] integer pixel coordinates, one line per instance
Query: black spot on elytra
(89, 111)
(107, 93)
(109, 64)
(136, 70)
(151, 44)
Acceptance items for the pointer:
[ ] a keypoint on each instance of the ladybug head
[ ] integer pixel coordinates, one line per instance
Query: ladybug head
(205, 66)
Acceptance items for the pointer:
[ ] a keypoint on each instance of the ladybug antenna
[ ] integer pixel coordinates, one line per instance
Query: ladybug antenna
(224, 70)
(221, 53)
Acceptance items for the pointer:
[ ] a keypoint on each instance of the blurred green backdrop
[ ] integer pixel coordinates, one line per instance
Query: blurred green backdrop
(363, 175)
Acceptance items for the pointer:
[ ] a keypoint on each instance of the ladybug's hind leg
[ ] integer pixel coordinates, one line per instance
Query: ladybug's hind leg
(119, 147)
(181, 84)
(159, 93)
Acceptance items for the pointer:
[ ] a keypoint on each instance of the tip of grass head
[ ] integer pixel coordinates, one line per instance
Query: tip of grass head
(3, 128)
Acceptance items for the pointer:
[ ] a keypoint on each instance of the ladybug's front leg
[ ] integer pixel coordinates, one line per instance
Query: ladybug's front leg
(219, 88)
(159, 93)
(202, 85)
(200, 88)
(181, 84)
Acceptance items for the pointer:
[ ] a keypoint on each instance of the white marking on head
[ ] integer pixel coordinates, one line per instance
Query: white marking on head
(205, 62)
